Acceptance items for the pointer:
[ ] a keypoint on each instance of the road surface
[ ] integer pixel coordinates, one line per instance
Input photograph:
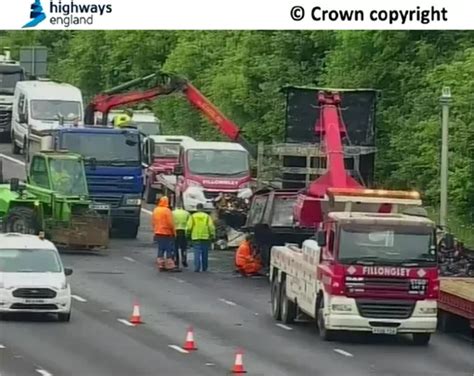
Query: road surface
(227, 312)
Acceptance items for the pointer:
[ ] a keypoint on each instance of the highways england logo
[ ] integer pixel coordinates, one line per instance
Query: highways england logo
(66, 14)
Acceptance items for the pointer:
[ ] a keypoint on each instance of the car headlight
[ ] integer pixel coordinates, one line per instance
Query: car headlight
(63, 286)
(133, 201)
(341, 307)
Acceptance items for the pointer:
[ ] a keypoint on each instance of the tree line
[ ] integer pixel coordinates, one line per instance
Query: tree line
(243, 71)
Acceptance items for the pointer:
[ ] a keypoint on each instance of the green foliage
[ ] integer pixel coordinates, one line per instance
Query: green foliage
(242, 72)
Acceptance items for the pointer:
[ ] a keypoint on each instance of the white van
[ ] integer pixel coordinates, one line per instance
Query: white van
(43, 105)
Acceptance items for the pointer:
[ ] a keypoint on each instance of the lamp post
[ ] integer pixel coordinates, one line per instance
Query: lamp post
(445, 101)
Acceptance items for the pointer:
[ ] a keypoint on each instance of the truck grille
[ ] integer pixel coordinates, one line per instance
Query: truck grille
(109, 183)
(385, 309)
(32, 293)
(26, 307)
(5, 119)
(382, 287)
(113, 201)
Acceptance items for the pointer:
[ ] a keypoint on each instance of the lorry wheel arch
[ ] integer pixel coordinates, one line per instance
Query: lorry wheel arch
(325, 334)
(24, 213)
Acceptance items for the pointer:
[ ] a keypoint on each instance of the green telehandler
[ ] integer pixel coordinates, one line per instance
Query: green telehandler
(55, 200)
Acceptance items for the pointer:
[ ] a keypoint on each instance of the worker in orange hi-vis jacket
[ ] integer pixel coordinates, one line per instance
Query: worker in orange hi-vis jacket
(246, 260)
(164, 232)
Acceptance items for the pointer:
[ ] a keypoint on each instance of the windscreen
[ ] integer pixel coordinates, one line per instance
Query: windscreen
(54, 109)
(387, 245)
(8, 81)
(166, 150)
(218, 162)
(148, 129)
(67, 177)
(120, 149)
(29, 261)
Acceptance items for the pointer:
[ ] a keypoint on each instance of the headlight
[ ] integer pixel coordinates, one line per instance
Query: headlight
(134, 201)
(341, 307)
(63, 286)
(428, 310)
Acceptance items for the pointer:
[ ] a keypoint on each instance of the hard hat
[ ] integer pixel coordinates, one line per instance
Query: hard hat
(122, 120)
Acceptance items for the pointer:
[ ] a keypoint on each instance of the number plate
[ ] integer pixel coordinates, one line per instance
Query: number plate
(34, 301)
(382, 330)
(99, 206)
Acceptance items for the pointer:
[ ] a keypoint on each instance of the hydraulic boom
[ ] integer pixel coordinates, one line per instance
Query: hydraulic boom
(166, 85)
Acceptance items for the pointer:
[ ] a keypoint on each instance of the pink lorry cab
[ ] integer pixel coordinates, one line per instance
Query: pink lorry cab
(208, 169)
(165, 157)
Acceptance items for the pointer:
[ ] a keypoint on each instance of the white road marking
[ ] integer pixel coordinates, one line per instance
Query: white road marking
(78, 298)
(178, 279)
(227, 302)
(179, 349)
(14, 160)
(283, 326)
(342, 352)
(43, 372)
(125, 322)
(129, 259)
(1, 346)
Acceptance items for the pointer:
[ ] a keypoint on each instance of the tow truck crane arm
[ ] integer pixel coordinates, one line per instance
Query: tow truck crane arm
(167, 85)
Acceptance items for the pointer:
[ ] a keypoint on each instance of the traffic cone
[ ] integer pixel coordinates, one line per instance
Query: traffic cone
(239, 363)
(189, 343)
(136, 318)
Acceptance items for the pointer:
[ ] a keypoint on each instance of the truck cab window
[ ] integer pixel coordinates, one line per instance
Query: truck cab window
(39, 173)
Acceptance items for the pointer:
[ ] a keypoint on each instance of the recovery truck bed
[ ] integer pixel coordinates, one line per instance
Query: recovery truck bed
(457, 298)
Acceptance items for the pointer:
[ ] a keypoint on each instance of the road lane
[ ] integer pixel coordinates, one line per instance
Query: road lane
(171, 302)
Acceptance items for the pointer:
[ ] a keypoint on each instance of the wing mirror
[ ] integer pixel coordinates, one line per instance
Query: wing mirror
(321, 238)
(22, 117)
(14, 184)
(178, 170)
(149, 151)
(67, 271)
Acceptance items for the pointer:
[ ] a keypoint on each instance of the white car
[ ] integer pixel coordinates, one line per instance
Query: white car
(32, 277)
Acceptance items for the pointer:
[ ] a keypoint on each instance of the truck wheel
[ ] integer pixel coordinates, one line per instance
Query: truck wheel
(4, 137)
(15, 149)
(21, 219)
(288, 308)
(64, 317)
(276, 299)
(325, 334)
(130, 232)
(150, 194)
(421, 339)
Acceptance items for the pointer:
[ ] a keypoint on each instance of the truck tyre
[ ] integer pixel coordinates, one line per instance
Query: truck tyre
(288, 308)
(4, 137)
(276, 299)
(150, 194)
(21, 219)
(15, 149)
(421, 339)
(325, 334)
(130, 232)
(64, 317)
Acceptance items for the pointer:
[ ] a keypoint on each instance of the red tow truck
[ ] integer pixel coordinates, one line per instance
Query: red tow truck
(369, 261)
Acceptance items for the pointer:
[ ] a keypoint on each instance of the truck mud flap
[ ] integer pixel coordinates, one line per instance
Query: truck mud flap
(84, 232)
